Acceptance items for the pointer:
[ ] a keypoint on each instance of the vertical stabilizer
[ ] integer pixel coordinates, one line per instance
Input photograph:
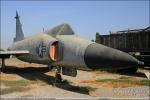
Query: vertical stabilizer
(19, 31)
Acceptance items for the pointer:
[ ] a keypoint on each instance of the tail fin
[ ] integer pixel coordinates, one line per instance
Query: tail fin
(19, 31)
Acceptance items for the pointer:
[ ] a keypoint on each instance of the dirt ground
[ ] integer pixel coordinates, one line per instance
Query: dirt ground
(33, 80)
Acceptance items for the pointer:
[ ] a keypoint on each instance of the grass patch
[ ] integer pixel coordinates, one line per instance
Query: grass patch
(112, 80)
(120, 79)
(92, 89)
(39, 82)
(128, 80)
(14, 83)
(144, 82)
(14, 86)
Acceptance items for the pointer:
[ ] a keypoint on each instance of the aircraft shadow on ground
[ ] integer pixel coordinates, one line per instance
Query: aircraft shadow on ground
(38, 73)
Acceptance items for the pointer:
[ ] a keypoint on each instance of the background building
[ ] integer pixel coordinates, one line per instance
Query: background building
(136, 42)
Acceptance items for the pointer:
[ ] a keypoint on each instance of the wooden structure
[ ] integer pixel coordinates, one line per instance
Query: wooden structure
(129, 41)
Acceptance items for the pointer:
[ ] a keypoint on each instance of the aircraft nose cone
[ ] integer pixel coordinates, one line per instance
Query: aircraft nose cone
(98, 56)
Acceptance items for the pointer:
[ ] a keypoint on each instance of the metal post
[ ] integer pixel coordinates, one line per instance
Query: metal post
(3, 62)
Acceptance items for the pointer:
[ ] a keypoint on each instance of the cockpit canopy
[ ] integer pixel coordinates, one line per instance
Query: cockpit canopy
(63, 29)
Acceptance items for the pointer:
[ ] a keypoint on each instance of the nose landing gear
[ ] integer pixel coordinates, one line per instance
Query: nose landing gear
(58, 78)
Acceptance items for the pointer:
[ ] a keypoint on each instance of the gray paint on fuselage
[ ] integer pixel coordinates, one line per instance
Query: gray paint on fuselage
(32, 44)
(73, 50)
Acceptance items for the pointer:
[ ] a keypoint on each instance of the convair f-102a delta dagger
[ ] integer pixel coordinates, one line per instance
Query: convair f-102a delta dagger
(60, 48)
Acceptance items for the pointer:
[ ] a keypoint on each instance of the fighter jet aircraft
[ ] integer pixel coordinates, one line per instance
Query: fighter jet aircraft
(62, 49)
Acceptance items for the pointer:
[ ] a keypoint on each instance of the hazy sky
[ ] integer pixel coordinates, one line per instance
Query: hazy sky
(85, 17)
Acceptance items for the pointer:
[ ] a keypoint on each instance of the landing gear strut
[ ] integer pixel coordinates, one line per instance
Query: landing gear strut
(58, 78)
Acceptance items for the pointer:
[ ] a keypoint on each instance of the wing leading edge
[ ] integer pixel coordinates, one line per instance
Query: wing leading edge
(6, 54)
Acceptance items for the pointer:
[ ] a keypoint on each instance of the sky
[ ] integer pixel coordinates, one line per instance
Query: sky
(85, 17)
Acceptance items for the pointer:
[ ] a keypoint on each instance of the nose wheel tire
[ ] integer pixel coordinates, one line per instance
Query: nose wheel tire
(58, 78)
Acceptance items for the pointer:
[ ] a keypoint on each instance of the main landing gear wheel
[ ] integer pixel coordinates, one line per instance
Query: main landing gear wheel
(58, 78)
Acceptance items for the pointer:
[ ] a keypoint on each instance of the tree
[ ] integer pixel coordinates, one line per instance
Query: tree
(1, 49)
